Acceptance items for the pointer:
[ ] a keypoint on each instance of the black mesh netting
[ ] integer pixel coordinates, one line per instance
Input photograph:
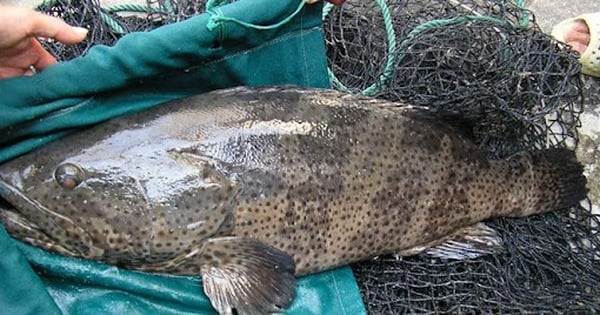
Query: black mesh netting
(502, 79)
(513, 86)
(549, 267)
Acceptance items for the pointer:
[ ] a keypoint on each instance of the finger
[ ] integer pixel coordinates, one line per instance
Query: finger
(44, 58)
(50, 27)
(579, 32)
(580, 26)
(583, 38)
(9, 72)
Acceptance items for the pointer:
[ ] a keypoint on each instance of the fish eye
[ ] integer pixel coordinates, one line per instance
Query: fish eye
(69, 175)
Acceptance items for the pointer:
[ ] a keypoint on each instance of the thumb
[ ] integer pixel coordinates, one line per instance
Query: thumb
(42, 25)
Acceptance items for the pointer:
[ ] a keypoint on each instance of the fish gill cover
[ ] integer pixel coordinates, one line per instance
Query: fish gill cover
(485, 64)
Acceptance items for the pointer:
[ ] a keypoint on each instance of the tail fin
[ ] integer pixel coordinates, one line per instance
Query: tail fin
(559, 179)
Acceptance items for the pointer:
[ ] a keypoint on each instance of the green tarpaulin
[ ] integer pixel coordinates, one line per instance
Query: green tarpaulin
(249, 42)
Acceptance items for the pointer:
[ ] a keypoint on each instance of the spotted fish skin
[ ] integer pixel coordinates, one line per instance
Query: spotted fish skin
(322, 177)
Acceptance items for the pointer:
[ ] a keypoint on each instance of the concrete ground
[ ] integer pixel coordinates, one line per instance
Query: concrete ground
(550, 12)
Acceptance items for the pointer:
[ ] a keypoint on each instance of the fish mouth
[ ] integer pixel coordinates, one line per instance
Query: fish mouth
(51, 224)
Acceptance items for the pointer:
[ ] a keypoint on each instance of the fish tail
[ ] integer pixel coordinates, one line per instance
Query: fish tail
(556, 180)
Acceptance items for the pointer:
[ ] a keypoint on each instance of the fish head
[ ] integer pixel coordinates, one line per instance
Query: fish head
(137, 199)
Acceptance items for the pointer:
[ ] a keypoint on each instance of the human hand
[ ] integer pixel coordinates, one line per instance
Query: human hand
(578, 37)
(19, 48)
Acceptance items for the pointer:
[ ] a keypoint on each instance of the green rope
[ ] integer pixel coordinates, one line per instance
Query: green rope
(388, 70)
(445, 22)
(115, 26)
(391, 56)
(526, 15)
(399, 53)
(217, 19)
(112, 23)
(134, 8)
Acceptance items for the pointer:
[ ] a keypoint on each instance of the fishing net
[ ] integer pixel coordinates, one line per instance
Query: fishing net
(484, 63)
(107, 24)
(487, 64)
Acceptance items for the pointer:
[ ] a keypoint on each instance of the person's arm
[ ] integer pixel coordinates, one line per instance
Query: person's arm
(19, 48)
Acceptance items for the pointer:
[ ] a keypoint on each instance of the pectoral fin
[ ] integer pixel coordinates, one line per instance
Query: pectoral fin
(248, 276)
(466, 243)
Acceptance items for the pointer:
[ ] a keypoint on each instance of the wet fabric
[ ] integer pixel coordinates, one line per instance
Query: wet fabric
(249, 42)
